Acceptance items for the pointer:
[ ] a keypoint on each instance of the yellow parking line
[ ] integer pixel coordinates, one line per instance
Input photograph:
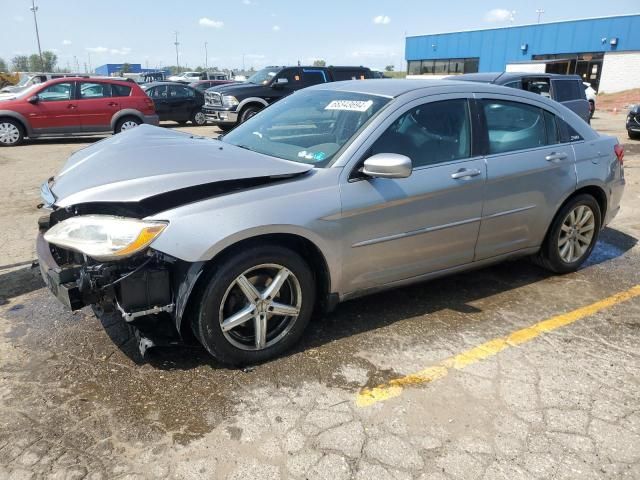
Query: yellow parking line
(394, 388)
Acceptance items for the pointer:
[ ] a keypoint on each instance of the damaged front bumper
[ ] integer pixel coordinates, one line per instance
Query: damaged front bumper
(150, 291)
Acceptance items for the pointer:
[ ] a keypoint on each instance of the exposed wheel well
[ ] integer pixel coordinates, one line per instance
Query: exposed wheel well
(304, 247)
(595, 192)
(249, 105)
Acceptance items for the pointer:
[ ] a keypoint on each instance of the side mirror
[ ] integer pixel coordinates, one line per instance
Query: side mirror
(387, 165)
(33, 99)
(280, 82)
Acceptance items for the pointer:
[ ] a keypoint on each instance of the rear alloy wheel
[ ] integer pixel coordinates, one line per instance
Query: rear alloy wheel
(127, 123)
(255, 306)
(572, 236)
(198, 118)
(11, 133)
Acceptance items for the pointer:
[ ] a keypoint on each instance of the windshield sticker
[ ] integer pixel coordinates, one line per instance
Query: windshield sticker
(319, 156)
(350, 105)
(306, 155)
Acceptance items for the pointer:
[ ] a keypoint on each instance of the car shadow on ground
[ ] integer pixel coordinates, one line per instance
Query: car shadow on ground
(372, 312)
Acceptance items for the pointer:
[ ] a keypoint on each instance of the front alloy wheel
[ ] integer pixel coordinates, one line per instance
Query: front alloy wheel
(255, 305)
(10, 133)
(260, 307)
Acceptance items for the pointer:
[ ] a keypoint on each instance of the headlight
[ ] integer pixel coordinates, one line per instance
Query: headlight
(229, 101)
(104, 237)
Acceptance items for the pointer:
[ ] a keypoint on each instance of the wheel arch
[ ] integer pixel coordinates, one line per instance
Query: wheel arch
(306, 248)
(18, 118)
(127, 112)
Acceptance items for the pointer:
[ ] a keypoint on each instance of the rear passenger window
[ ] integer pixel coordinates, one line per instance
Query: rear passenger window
(94, 90)
(565, 90)
(313, 77)
(432, 133)
(551, 126)
(339, 75)
(513, 126)
(120, 90)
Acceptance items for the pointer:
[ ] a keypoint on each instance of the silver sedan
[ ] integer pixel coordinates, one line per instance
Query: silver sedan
(336, 191)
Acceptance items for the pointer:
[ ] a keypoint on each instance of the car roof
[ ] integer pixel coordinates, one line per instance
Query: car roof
(165, 82)
(388, 87)
(504, 77)
(126, 81)
(396, 87)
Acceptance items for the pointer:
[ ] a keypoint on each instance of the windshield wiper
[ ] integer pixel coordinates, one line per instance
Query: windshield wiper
(246, 148)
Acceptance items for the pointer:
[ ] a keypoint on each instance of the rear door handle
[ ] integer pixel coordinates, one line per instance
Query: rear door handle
(465, 173)
(555, 157)
(112, 104)
(71, 105)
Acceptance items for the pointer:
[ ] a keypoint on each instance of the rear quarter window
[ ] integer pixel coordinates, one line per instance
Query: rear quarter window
(120, 90)
(566, 90)
(340, 75)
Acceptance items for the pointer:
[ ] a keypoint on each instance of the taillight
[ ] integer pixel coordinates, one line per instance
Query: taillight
(619, 150)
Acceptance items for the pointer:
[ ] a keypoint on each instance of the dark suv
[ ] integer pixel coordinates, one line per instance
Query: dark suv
(566, 89)
(229, 105)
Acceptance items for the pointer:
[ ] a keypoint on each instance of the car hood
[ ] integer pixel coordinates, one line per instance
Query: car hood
(149, 161)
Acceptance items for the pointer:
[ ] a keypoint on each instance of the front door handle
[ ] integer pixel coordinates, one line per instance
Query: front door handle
(555, 157)
(112, 104)
(465, 173)
(71, 105)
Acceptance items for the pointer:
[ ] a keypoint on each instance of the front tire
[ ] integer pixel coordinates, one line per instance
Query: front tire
(633, 135)
(11, 133)
(255, 305)
(572, 236)
(249, 112)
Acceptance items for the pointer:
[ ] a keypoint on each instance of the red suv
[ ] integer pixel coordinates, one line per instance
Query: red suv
(73, 107)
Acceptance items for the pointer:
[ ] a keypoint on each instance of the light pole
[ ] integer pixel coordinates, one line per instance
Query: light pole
(89, 58)
(176, 43)
(540, 12)
(206, 57)
(34, 9)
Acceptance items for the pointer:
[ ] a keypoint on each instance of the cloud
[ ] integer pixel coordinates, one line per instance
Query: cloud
(120, 51)
(373, 52)
(381, 20)
(97, 49)
(210, 23)
(497, 15)
(276, 28)
(66, 42)
(113, 51)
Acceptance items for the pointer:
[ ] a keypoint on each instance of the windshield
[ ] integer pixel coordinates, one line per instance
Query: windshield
(310, 126)
(23, 81)
(264, 76)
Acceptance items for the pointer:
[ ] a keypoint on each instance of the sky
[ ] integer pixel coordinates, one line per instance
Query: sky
(260, 32)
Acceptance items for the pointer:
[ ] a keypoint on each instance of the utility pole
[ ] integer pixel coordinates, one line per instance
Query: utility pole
(206, 57)
(540, 12)
(89, 58)
(34, 9)
(243, 69)
(176, 43)
(75, 61)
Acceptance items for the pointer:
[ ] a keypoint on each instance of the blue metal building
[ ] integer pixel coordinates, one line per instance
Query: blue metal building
(595, 48)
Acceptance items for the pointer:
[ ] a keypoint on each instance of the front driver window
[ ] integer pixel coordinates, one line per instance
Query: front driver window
(432, 133)
(56, 92)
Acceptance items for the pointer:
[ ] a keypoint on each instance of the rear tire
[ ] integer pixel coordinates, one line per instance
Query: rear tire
(127, 123)
(572, 236)
(240, 283)
(11, 132)
(633, 135)
(198, 118)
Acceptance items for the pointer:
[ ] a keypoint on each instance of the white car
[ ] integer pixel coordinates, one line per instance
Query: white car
(590, 93)
(186, 77)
